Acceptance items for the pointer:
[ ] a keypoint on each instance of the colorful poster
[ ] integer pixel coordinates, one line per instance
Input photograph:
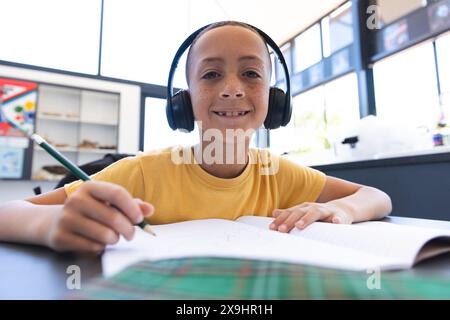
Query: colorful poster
(17, 102)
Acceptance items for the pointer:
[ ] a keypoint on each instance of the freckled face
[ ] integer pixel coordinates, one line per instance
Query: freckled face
(229, 78)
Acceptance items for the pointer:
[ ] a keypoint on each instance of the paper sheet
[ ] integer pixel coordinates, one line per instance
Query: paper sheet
(222, 238)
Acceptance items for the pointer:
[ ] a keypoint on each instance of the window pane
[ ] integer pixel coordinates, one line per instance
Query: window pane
(275, 70)
(406, 87)
(304, 134)
(157, 133)
(287, 54)
(337, 30)
(308, 50)
(320, 117)
(138, 42)
(443, 52)
(50, 33)
(342, 106)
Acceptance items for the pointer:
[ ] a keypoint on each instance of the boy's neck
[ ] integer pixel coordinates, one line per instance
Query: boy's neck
(227, 162)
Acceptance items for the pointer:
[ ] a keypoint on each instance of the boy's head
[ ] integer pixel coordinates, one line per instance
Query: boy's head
(228, 71)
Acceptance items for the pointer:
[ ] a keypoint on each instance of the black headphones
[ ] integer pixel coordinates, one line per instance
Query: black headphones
(179, 107)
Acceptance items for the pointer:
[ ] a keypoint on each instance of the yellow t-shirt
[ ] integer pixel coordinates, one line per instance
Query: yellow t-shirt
(183, 191)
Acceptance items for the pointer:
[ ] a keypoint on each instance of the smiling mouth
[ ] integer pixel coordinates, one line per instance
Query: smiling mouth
(231, 114)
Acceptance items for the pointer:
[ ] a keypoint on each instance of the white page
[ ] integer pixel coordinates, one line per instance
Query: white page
(398, 242)
(222, 238)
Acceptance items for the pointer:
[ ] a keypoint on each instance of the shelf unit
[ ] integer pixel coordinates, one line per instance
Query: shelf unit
(82, 124)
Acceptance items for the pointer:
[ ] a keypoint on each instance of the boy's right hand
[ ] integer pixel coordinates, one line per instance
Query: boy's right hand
(88, 221)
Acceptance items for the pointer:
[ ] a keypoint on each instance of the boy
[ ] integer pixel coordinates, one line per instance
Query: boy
(228, 72)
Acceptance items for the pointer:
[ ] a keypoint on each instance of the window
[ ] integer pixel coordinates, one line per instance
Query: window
(287, 54)
(341, 106)
(49, 34)
(135, 46)
(157, 133)
(304, 133)
(321, 116)
(140, 40)
(337, 30)
(443, 52)
(406, 87)
(308, 49)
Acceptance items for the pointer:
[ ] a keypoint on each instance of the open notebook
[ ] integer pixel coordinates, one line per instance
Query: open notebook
(359, 247)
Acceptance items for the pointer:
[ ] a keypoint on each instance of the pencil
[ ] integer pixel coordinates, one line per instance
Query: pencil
(80, 174)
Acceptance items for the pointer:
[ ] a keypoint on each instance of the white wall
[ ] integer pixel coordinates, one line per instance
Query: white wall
(130, 96)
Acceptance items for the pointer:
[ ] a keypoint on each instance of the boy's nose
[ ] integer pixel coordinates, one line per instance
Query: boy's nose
(232, 89)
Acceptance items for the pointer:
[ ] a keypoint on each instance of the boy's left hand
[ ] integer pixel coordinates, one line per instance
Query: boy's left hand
(303, 215)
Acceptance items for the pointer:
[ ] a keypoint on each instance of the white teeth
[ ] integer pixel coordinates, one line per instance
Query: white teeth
(231, 113)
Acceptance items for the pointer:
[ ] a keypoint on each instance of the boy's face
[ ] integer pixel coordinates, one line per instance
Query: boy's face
(229, 79)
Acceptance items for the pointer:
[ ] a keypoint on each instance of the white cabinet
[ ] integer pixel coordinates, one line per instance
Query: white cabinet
(82, 124)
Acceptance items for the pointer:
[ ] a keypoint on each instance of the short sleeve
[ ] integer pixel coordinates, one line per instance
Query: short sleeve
(298, 184)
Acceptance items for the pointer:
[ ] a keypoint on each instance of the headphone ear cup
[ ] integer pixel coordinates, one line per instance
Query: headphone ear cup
(276, 114)
(179, 113)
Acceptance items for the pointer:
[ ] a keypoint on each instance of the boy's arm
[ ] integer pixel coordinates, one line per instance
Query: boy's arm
(340, 201)
(86, 221)
(28, 220)
(361, 202)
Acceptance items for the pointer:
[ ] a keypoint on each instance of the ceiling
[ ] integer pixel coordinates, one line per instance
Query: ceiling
(281, 19)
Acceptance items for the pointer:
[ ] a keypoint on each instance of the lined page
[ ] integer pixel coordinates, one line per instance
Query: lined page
(222, 238)
(398, 242)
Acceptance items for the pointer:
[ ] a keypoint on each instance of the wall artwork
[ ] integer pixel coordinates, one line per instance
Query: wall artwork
(11, 162)
(17, 102)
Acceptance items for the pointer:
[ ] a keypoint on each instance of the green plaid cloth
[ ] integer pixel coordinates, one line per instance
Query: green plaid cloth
(224, 278)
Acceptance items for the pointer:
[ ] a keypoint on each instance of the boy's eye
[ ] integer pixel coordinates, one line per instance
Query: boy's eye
(211, 75)
(251, 74)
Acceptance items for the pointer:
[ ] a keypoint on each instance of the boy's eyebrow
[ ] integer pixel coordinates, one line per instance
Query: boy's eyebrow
(251, 57)
(219, 59)
(211, 59)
